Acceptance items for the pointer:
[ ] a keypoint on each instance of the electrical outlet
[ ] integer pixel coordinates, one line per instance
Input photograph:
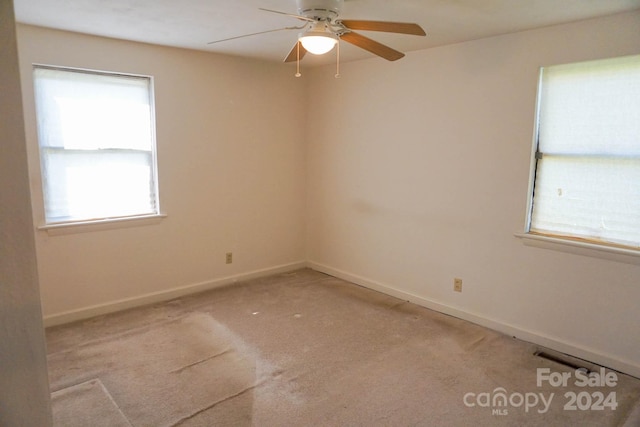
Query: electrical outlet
(229, 257)
(457, 285)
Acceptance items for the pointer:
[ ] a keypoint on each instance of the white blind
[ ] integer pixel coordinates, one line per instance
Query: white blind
(587, 180)
(95, 133)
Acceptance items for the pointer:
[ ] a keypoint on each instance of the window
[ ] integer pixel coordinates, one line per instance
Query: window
(97, 147)
(587, 162)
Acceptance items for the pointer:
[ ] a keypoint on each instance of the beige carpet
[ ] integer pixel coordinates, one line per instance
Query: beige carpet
(308, 349)
(70, 407)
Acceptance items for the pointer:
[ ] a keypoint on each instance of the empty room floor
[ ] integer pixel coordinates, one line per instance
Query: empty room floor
(304, 348)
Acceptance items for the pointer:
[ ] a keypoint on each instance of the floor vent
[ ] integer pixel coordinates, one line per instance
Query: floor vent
(563, 361)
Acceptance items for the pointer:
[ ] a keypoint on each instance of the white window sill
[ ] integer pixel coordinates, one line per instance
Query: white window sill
(101, 224)
(612, 253)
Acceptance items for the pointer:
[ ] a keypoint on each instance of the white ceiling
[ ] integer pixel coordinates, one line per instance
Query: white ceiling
(193, 23)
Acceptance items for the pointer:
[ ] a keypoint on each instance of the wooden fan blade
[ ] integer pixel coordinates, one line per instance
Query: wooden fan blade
(388, 27)
(372, 46)
(293, 55)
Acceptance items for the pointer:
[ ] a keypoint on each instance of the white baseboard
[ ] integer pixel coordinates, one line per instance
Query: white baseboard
(574, 350)
(609, 361)
(165, 295)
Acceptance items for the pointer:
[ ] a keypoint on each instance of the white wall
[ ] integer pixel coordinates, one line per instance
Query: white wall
(24, 386)
(231, 174)
(419, 172)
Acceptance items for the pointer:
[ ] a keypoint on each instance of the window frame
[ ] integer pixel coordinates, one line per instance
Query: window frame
(564, 243)
(95, 224)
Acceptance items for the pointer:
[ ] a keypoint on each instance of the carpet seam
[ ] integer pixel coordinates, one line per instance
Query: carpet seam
(233, 396)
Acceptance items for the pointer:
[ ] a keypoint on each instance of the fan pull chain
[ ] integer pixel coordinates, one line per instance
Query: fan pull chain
(298, 60)
(338, 59)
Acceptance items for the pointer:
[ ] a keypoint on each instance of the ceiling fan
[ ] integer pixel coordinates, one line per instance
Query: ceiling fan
(322, 30)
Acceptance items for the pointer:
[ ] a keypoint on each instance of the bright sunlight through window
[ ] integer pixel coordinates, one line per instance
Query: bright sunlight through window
(97, 147)
(587, 161)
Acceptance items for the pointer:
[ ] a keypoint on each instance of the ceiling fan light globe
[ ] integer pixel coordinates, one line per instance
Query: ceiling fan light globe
(318, 44)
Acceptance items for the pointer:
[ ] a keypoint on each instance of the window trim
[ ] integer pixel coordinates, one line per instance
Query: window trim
(63, 228)
(533, 161)
(578, 247)
(87, 225)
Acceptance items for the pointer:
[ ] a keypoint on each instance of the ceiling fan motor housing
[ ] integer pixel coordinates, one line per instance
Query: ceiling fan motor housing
(320, 10)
